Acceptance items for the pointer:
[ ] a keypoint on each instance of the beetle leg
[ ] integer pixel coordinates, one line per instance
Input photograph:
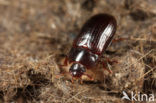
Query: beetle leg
(57, 76)
(72, 80)
(90, 77)
(104, 67)
(61, 74)
(64, 72)
(119, 39)
(111, 61)
(81, 81)
(65, 62)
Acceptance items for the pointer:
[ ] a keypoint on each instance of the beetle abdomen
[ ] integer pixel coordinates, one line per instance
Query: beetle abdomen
(97, 33)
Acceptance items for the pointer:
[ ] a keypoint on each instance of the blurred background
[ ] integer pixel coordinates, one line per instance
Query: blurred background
(35, 36)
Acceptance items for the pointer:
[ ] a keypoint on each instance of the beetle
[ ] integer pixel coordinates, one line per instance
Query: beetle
(90, 44)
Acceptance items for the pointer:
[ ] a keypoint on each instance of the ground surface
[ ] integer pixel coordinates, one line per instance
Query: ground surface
(35, 35)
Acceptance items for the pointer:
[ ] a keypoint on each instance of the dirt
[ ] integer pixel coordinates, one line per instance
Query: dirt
(36, 35)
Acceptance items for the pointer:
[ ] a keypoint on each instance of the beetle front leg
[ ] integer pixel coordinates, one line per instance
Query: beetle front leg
(105, 68)
(81, 81)
(111, 61)
(65, 63)
(119, 39)
(89, 76)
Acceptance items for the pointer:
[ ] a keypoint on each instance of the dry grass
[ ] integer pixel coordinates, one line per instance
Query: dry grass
(35, 35)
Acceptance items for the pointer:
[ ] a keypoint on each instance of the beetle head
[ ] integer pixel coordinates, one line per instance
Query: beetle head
(77, 70)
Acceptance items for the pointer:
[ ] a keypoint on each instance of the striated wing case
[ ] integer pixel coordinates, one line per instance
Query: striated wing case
(97, 33)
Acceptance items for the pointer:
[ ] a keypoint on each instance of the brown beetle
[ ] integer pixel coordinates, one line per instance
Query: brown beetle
(89, 46)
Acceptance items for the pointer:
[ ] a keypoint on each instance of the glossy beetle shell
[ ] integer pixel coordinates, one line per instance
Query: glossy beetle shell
(97, 33)
(92, 41)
